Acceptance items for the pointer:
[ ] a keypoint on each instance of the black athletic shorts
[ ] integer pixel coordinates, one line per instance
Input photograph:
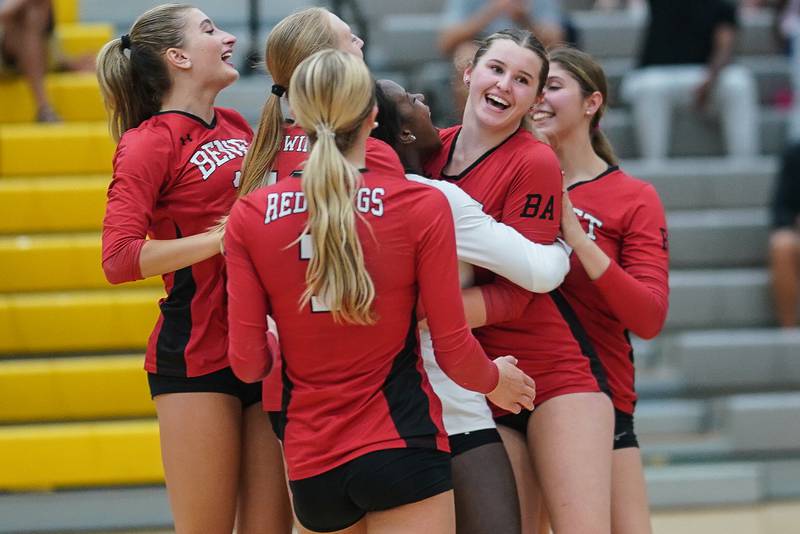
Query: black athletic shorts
(466, 441)
(222, 381)
(624, 436)
(377, 481)
(516, 421)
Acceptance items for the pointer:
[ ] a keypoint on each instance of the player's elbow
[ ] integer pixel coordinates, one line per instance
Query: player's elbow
(652, 327)
(114, 273)
(553, 276)
(247, 372)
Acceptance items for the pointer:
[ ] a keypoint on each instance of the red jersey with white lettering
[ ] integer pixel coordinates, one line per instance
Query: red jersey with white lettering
(351, 389)
(380, 158)
(176, 176)
(519, 183)
(293, 153)
(624, 216)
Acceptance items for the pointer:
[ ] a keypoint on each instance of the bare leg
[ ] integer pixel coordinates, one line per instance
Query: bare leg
(26, 41)
(263, 495)
(432, 515)
(572, 439)
(530, 497)
(630, 511)
(485, 493)
(200, 448)
(784, 256)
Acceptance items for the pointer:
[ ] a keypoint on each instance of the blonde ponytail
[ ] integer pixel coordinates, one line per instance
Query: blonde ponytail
(291, 41)
(332, 94)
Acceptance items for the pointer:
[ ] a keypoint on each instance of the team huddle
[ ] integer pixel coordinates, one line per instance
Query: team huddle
(371, 324)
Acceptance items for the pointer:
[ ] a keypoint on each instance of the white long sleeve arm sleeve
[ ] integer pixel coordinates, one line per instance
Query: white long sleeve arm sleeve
(482, 241)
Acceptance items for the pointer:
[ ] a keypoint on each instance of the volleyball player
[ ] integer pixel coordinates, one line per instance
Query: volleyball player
(339, 258)
(483, 484)
(517, 179)
(176, 169)
(618, 282)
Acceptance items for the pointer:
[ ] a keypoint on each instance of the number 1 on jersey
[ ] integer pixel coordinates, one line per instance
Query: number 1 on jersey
(306, 251)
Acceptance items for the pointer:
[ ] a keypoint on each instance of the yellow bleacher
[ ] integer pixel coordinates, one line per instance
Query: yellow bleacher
(74, 405)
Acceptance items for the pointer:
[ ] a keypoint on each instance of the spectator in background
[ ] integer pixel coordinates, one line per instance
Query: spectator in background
(25, 29)
(686, 61)
(784, 242)
(465, 21)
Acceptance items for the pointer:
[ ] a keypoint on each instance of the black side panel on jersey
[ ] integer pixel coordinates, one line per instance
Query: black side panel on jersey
(176, 329)
(408, 404)
(286, 397)
(582, 338)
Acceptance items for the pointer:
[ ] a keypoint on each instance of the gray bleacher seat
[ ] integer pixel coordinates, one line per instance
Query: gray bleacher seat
(727, 298)
(706, 238)
(764, 422)
(709, 182)
(704, 484)
(670, 416)
(743, 359)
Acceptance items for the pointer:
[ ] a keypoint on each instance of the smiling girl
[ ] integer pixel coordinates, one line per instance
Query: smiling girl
(518, 180)
(176, 170)
(618, 281)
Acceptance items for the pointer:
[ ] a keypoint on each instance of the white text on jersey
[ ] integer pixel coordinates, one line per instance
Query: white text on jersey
(295, 143)
(594, 222)
(290, 202)
(216, 153)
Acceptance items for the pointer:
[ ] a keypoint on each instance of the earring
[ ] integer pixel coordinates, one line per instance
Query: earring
(375, 125)
(466, 82)
(407, 140)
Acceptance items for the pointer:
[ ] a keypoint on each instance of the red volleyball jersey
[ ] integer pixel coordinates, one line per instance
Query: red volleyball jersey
(175, 176)
(519, 182)
(294, 150)
(380, 158)
(350, 389)
(625, 217)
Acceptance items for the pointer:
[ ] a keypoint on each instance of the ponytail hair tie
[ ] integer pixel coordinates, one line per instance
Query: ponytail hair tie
(125, 41)
(278, 90)
(325, 130)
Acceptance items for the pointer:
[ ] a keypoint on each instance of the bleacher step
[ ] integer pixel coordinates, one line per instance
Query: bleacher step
(77, 320)
(55, 263)
(718, 238)
(52, 204)
(62, 148)
(51, 456)
(719, 298)
(75, 97)
(709, 182)
(736, 360)
(89, 387)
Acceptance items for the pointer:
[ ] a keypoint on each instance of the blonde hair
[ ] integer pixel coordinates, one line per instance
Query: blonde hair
(591, 78)
(332, 94)
(133, 76)
(291, 41)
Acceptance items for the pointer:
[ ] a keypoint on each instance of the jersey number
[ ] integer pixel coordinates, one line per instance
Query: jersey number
(272, 177)
(306, 251)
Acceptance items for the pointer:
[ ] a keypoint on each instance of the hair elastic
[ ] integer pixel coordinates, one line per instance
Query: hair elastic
(278, 90)
(125, 40)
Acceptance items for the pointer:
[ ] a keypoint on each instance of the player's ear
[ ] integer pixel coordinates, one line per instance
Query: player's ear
(177, 58)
